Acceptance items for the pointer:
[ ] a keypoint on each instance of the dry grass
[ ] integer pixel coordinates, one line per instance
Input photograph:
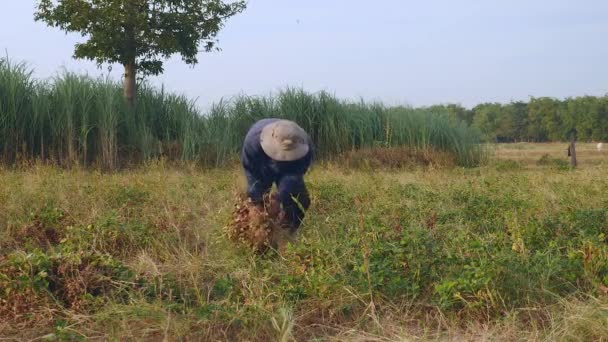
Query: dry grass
(337, 282)
(529, 154)
(395, 158)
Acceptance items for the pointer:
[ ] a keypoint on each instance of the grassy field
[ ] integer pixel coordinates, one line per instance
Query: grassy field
(531, 155)
(514, 250)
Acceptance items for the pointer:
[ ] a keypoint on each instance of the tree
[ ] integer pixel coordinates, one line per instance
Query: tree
(518, 112)
(486, 119)
(139, 34)
(589, 125)
(543, 119)
(460, 113)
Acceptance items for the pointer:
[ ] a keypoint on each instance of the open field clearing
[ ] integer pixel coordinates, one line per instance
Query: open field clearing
(532, 154)
(424, 253)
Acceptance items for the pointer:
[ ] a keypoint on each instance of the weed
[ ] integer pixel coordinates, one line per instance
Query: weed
(424, 253)
(79, 120)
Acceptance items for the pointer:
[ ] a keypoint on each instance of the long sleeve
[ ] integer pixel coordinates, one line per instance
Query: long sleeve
(253, 158)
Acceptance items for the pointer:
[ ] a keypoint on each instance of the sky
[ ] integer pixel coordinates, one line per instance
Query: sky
(400, 52)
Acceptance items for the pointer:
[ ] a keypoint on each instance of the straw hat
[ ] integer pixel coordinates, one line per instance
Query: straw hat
(284, 140)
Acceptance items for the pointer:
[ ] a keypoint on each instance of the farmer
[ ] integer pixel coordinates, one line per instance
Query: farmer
(278, 151)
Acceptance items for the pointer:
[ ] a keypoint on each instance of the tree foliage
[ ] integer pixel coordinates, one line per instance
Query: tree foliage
(142, 31)
(540, 119)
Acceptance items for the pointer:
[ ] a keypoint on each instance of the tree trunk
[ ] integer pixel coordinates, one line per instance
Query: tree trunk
(129, 83)
(572, 152)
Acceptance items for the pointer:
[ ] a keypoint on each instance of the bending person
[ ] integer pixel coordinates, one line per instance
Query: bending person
(278, 152)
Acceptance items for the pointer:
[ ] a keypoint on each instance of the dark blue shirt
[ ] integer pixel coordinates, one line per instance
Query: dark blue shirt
(262, 171)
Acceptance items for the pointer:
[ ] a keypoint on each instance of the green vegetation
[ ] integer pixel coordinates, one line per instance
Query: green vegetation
(79, 120)
(516, 249)
(486, 253)
(139, 34)
(540, 120)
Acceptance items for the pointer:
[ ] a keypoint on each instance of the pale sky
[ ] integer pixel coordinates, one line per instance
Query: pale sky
(396, 51)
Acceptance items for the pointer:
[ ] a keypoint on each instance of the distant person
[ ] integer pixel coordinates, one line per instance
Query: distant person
(278, 151)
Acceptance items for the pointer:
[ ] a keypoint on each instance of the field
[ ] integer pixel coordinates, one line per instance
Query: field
(513, 250)
(530, 155)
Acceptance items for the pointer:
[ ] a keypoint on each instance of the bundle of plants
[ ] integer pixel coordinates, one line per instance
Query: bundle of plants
(259, 227)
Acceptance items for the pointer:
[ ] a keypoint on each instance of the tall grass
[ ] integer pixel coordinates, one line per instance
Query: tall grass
(78, 119)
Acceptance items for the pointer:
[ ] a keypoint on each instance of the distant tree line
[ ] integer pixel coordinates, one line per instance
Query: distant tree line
(539, 120)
